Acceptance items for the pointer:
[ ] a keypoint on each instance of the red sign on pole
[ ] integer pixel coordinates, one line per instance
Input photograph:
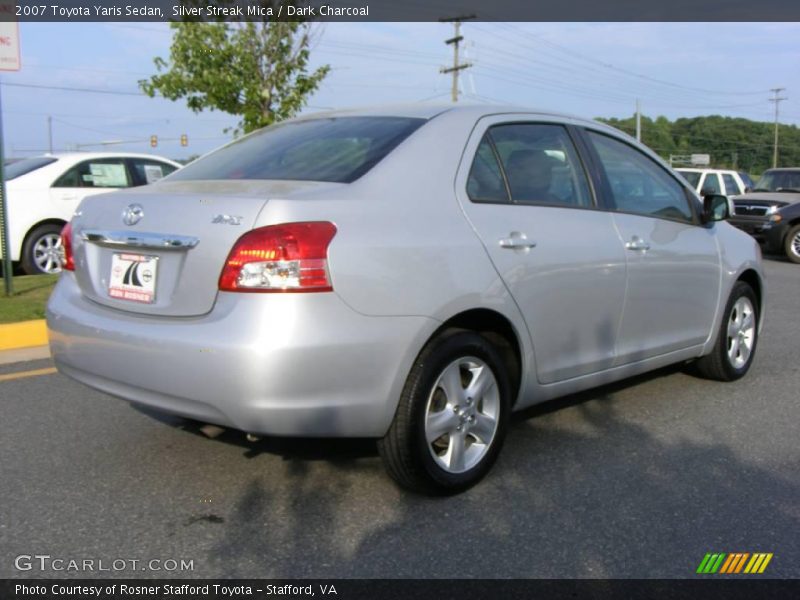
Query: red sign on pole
(9, 40)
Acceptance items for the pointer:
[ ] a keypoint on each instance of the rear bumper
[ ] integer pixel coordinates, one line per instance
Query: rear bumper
(274, 364)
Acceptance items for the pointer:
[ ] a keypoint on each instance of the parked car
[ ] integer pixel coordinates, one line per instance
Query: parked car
(411, 274)
(44, 191)
(771, 212)
(717, 181)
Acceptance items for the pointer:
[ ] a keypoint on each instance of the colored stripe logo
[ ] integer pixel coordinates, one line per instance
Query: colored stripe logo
(734, 563)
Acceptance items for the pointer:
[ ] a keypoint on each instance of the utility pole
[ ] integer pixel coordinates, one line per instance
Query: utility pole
(6, 246)
(50, 133)
(455, 40)
(777, 99)
(638, 122)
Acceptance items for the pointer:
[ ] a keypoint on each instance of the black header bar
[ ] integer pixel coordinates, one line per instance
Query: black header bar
(705, 587)
(400, 10)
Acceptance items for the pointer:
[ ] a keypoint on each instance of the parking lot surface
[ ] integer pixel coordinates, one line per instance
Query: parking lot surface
(637, 479)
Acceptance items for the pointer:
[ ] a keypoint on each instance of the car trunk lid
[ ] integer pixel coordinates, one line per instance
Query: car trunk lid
(160, 250)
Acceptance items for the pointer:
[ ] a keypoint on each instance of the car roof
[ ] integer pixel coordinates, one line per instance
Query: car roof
(422, 110)
(705, 170)
(789, 169)
(90, 155)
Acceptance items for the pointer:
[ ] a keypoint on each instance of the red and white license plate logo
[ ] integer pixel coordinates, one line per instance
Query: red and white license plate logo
(133, 277)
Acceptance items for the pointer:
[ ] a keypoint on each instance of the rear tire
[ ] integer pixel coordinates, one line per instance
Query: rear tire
(737, 338)
(452, 416)
(41, 252)
(792, 244)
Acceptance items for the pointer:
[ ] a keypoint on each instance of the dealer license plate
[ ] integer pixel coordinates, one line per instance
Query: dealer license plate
(133, 277)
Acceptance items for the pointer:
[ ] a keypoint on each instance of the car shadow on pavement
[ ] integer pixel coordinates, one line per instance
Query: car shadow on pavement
(306, 449)
(580, 490)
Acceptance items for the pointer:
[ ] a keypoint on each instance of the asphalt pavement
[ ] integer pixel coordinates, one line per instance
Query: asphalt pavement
(637, 479)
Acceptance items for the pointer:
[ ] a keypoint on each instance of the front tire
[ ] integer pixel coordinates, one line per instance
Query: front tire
(41, 252)
(792, 244)
(737, 338)
(452, 416)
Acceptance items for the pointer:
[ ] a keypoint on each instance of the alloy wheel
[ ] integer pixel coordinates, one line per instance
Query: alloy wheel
(741, 332)
(461, 416)
(47, 253)
(795, 244)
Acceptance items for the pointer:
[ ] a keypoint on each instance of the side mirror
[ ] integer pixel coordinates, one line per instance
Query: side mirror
(748, 189)
(707, 192)
(715, 208)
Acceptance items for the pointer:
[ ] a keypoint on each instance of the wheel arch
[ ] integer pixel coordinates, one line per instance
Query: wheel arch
(794, 222)
(753, 279)
(25, 261)
(498, 331)
(35, 226)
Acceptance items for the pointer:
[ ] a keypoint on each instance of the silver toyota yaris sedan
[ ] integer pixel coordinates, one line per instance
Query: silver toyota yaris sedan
(411, 274)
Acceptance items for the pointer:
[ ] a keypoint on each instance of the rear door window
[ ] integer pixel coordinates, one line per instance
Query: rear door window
(96, 173)
(539, 163)
(711, 184)
(485, 182)
(146, 171)
(731, 187)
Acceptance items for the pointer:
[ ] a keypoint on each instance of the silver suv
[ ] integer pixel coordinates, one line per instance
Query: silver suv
(409, 274)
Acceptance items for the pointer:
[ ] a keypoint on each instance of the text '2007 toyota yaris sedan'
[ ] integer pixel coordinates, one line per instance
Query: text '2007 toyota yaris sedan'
(411, 274)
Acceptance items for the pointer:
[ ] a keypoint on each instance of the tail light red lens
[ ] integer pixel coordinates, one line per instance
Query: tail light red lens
(67, 260)
(292, 257)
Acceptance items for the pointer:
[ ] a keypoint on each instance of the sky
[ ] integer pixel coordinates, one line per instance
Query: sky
(586, 69)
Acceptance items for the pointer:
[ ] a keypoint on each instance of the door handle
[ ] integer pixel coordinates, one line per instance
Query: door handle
(637, 244)
(517, 241)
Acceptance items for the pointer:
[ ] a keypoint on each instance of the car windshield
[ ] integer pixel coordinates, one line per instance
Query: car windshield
(693, 177)
(339, 149)
(26, 165)
(779, 181)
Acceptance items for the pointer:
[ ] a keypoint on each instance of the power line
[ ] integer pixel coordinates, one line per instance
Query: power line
(627, 72)
(585, 75)
(83, 128)
(72, 89)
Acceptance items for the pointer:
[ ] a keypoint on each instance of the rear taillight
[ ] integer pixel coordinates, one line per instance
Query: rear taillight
(67, 260)
(292, 257)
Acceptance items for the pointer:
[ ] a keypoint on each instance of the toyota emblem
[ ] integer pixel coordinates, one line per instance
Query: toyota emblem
(132, 214)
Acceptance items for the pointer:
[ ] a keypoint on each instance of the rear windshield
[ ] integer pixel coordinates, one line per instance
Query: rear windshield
(339, 149)
(26, 165)
(693, 177)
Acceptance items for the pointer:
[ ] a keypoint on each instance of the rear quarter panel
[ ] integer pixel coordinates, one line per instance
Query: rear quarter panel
(403, 246)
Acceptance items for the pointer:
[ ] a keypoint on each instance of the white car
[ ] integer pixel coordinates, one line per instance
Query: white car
(717, 181)
(44, 191)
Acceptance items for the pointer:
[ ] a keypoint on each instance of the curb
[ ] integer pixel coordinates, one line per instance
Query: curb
(23, 335)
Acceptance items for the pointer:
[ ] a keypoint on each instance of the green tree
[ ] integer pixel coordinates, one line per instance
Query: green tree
(256, 70)
(731, 142)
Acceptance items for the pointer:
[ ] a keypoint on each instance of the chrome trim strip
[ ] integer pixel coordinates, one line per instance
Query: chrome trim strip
(159, 241)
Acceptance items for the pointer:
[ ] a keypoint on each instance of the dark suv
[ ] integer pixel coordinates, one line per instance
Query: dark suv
(771, 212)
